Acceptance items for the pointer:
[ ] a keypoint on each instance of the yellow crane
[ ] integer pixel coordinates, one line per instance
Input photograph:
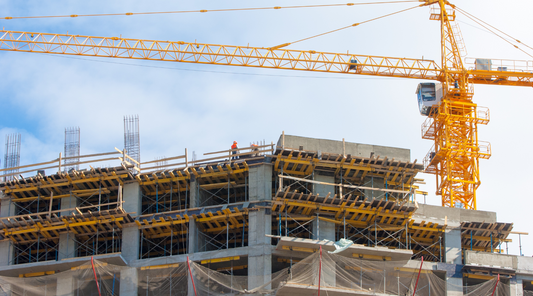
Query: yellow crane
(452, 116)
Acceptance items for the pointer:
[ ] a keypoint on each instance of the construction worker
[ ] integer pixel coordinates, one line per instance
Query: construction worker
(255, 149)
(234, 149)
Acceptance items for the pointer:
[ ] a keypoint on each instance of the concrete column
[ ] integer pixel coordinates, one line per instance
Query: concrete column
(67, 246)
(452, 244)
(259, 267)
(322, 229)
(132, 198)
(374, 183)
(259, 270)
(6, 253)
(196, 240)
(322, 189)
(68, 203)
(65, 285)
(454, 286)
(130, 243)
(260, 224)
(516, 286)
(129, 281)
(7, 209)
(260, 182)
(194, 196)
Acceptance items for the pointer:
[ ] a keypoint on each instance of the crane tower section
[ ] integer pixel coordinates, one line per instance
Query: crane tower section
(452, 124)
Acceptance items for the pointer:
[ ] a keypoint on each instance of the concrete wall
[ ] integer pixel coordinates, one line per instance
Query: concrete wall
(355, 149)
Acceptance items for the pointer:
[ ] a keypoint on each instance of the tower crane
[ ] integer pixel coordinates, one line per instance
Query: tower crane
(446, 101)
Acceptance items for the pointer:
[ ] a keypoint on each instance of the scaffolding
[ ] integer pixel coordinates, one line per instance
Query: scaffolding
(12, 156)
(371, 201)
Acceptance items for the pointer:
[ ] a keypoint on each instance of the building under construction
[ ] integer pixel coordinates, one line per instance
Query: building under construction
(266, 220)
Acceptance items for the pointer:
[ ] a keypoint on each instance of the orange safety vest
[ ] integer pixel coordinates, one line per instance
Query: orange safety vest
(234, 146)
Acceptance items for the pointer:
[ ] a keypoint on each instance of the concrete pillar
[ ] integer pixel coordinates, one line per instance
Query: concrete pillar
(260, 224)
(196, 241)
(260, 182)
(374, 183)
(7, 209)
(259, 270)
(6, 252)
(65, 285)
(452, 244)
(129, 281)
(516, 286)
(322, 189)
(132, 198)
(259, 267)
(67, 246)
(130, 243)
(194, 195)
(454, 286)
(68, 203)
(323, 230)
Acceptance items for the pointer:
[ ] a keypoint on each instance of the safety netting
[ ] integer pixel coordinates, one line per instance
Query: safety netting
(331, 274)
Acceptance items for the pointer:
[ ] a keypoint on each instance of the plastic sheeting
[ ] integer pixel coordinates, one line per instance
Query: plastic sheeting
(333, 273)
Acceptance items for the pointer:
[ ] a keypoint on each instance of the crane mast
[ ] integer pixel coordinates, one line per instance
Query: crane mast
(455, 156)
(452, 123)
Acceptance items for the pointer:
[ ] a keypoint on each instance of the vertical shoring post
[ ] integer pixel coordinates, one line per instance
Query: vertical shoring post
(227, 235)
(171, 239)
(38, 242)
(99, 194)
(171, 195)
(440, 248)
(491, 242)
(141, 250)
(286, 233)
(157, 197)
(317, 226)
(344, 223)
(520, 243)
(243, 232)
(471, 240)
(320, 271)
(375, 232)
(229, 182)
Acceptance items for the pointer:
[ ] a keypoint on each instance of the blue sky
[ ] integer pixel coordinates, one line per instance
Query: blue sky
(205, 107)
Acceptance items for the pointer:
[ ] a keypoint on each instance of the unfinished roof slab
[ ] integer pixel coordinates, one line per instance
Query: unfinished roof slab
(332, 146)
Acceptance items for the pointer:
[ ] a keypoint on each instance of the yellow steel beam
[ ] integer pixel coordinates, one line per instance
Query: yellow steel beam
(372, 257)
(163, 266)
